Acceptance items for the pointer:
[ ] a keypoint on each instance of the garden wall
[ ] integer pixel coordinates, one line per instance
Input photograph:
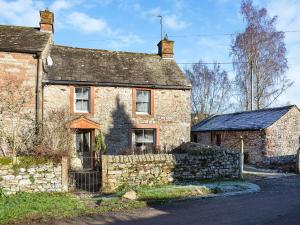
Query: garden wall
(38, 177)
(150, 169)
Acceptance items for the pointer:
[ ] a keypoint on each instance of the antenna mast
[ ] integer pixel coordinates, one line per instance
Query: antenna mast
(161, 26)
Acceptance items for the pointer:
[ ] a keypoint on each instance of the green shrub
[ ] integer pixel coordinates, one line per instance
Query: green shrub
(100, 145)
(5, 161)
(2, 193)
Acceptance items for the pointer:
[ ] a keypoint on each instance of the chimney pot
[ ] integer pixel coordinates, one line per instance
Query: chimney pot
(46, 21)
(166, 48)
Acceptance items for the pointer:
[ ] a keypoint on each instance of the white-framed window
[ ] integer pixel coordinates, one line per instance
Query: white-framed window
(143, 102)
(143, 139)
(82, 99)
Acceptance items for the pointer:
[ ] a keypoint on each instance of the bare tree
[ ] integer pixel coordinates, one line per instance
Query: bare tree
(260, 49)
(19, 134)
(211, 90)
(15, 114)
(55, 138)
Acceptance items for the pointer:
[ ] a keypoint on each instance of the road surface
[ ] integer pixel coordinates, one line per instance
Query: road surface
(278, 202)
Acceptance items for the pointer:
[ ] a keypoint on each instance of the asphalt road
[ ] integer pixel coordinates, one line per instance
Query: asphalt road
(278, 202)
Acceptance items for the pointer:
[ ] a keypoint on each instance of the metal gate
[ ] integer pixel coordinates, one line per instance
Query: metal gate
(89, 181)
(84, 179)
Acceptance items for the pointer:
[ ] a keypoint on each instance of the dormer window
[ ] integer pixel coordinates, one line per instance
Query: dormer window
(82, 100)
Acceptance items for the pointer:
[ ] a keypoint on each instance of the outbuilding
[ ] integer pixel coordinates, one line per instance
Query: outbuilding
(270, 136)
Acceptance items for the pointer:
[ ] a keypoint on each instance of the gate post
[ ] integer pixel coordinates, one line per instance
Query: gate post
(103, 172)
(64, 174)
(298, 161)
(242, 157)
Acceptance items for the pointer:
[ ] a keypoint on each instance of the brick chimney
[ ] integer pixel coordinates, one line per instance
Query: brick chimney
(165, 48)
(47, 21)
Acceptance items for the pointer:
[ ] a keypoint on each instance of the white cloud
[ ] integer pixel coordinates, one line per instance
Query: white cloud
(175, 23)
(59, 5)
(86, 23)
(20, 12)
(116, 38)
(125, 40)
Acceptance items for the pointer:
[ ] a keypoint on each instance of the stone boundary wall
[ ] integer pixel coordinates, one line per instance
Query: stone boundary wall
(49, 177)
(150, 169)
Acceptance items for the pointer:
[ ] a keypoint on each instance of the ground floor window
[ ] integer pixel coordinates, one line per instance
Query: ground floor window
(144, 140)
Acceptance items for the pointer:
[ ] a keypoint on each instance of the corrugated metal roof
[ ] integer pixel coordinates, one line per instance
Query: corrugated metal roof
(248, 120)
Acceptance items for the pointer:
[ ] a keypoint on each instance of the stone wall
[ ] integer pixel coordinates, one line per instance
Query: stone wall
(113, 110)
(253, 142)
(282, 139)
(149, 169)
(50, 177)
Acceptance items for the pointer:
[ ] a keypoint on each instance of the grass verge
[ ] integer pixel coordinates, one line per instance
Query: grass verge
(27, 206)
(170, 192)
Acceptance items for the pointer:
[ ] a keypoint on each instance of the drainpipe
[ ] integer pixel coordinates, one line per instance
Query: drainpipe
(37, 103)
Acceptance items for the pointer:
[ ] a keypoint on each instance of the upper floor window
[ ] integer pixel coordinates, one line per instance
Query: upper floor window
(82, 99)
(143, 102)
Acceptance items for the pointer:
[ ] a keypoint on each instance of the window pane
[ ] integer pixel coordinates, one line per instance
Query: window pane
(78, 93)
(85, 105)
(139, 136)
(139, 96)
(148, 136)
(78, 142)
(86, 92)
(142, 107)
(143, 96)
(78, 105)
(86, 142)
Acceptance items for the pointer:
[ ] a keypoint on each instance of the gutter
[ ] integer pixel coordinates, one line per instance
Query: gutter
(109, 84)
(20, 51)
(37, 104)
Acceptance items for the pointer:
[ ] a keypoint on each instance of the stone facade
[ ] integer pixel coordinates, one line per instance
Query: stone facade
(253, 142)
(282, 138)
(276, 144)
(152, 169)
(50, 177)
(18, 66)
(113, 110)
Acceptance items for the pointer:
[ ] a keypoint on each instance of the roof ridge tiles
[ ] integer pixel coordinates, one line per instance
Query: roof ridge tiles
(105, 50)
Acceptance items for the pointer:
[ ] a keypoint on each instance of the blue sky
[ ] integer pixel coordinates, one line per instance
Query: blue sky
(198, 28)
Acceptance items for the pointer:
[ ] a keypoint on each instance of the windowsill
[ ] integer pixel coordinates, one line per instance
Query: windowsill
(142, 114)
(139, 114)
(86, 113)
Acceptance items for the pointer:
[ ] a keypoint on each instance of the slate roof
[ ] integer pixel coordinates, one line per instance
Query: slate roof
(22, 39)
(112, 68)
(249, 120)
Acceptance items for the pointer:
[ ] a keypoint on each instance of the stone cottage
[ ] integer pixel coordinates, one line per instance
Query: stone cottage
(137, 100)
(270, 136)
